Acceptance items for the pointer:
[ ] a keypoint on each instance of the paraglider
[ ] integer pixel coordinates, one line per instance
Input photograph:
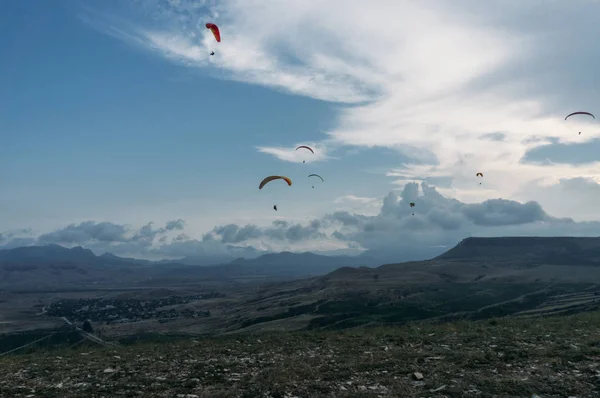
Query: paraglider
(216, 33)
(271, 178)
(305, 147)
(579, 113)
(412, 204)
(479, 175)
(316, 175)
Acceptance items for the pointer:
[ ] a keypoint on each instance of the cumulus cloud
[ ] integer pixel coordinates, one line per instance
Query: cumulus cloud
(357, 204)
(396, 232)
(455, 85)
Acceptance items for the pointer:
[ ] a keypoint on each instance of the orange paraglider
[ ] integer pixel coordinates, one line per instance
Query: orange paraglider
(271, 178)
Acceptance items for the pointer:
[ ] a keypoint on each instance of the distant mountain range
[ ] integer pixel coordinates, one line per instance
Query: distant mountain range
(529, 258)
(478, 278)
(54, 265)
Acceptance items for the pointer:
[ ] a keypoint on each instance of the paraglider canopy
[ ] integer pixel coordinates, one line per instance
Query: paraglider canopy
(412, 204)
(479, 175)
(271, 178)
(579, 113)
(215, 31)
(316, 175)
(305, 147)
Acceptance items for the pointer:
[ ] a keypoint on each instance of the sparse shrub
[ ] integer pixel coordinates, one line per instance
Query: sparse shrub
(87, 326)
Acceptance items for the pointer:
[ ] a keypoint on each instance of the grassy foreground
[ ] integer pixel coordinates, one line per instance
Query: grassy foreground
(552, 357)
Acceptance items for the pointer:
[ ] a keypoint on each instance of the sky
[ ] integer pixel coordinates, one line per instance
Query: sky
(119, 132)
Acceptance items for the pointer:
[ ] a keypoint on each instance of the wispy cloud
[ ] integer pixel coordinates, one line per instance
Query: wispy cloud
(456, 84)
(301, 155)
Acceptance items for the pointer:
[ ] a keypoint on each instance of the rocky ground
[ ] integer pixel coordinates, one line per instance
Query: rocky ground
(550, 357)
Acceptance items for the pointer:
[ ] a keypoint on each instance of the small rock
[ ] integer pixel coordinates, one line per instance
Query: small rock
(417, 376)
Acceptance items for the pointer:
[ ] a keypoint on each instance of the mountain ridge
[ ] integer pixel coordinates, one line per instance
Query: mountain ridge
(55, 264)
(472, 259)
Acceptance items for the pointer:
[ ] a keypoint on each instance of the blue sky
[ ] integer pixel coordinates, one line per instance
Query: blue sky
(114, 112)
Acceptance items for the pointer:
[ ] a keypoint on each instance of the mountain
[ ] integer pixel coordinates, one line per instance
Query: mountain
(46, 254)
(57, 266)
(111, 259)
(201, 261)
(510, 259)
(477, 279)
(305, 264)
(505, 259)
(527, 250)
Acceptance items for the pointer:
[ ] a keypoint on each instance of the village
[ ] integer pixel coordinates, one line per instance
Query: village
(111, 311)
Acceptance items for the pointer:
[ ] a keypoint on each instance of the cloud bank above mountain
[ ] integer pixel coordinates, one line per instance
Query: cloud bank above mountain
(396, 232)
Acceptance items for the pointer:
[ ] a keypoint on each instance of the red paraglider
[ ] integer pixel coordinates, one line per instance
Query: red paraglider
(215, 31)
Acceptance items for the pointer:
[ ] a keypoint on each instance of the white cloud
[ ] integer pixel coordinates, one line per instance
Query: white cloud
(301, 155)
(358, 204)
(432, 79)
